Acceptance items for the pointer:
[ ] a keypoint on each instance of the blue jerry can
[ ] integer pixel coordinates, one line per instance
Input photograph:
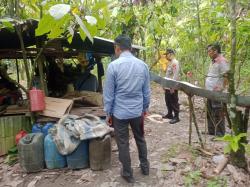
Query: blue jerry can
(80, 157)
(53, 158)
(46, 128)
(37, 128)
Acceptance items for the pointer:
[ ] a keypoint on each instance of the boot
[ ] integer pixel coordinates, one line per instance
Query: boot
(175, 119)
(168, 116)
(129, 179)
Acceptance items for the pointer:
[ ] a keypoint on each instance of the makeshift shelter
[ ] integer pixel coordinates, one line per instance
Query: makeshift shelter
(52, 74)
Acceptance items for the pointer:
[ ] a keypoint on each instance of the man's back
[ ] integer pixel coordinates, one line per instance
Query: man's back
(131, 84)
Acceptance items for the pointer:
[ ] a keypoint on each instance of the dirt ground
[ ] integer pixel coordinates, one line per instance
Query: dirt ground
(172, 161)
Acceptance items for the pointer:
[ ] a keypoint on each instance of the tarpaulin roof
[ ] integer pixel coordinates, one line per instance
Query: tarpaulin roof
(10, 40)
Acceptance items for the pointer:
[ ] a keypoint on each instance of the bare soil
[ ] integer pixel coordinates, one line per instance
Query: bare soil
(172, 161)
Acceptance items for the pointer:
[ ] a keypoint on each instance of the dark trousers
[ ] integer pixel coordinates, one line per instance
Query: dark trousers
(215, 118)
(122, 140)
(172, 104)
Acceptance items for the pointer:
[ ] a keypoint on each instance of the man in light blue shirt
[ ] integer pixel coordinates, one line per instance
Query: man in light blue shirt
(126, 101)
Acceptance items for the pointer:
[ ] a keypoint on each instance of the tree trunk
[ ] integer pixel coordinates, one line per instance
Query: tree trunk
(11, 8)
(40, 64)
(19, 33)
(201, 53)
(238, 158)
(238, 126)
(143, 43)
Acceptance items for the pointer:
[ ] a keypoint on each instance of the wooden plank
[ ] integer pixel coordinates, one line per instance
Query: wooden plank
(56, 107)
(191, 89)
(15, 109)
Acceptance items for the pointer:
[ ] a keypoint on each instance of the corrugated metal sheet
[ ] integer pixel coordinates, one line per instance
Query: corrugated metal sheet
(9, 127)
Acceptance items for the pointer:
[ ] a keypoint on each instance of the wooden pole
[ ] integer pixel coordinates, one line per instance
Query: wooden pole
(34, 66)
(195, 122)
(99, 64)
(190, 122)
(206, 121)
(41, 74)
(17, 71)
(19, 33)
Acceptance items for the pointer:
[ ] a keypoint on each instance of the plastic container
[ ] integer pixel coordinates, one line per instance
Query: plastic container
(80, 157)
(46, 128)
(37, 100)
(53, 158)
(100, 153)
(37, 128)
(21, 134)
(30, 151)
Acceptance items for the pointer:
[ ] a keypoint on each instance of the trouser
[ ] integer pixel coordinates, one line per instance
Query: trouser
(122, 140)
(172, 104)
(215, 118)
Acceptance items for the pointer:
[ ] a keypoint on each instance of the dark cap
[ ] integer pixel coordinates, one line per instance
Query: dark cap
(123, 41)
(169, 51)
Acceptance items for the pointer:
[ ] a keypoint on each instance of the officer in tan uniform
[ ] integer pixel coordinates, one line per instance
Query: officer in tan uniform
(171, 95)
(216, 81)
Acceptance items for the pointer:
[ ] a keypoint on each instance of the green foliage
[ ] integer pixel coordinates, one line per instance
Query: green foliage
(12, 157)
(233, 142)
(177, 149)
(5, 23)
(247, 148)
(84, 29)
(217, 182)
(64, 20)
(192, 178)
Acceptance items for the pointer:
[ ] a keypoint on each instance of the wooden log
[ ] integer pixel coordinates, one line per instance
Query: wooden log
(221, 166)
(191, 89)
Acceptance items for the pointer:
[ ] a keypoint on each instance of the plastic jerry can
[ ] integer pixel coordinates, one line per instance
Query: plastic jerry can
(80, 157)
(46, 128)
(37, 100)
(30, 152)
(37, 128)
(53, 158)
(100, 153)
(21, 134)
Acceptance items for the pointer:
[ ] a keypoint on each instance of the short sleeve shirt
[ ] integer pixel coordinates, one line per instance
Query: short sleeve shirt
(217, 69)
(173, 70)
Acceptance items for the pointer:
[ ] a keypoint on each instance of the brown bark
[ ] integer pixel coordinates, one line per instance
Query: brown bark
(24, 53)
(238, 126)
